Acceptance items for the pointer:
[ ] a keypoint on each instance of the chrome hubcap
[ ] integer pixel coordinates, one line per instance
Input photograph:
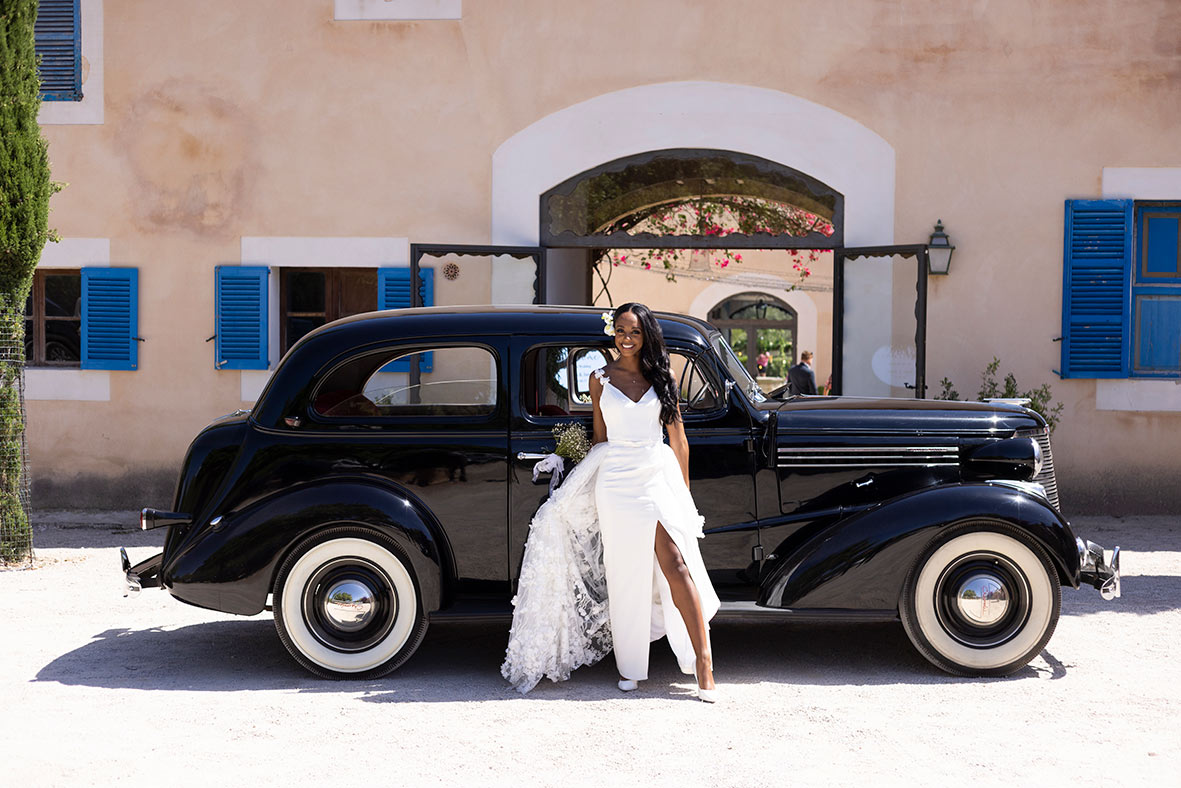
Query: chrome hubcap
(982, 599)
(349, 605)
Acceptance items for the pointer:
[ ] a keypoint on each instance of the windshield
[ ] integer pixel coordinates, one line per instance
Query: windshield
(736, 369)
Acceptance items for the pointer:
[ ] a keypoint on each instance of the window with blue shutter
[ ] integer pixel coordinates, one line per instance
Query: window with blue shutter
(58, 42)
(393, 292)
(1095, 298)
(1156, 292)
(110, 318)
(241, 307)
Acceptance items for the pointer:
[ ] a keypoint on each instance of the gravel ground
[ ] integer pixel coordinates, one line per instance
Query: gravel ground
(97, 688)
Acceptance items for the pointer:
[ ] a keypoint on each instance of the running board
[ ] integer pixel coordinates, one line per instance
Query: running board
(749, 611)
(486, 611)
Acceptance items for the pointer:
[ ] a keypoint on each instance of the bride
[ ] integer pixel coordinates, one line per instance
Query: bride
(622, 525)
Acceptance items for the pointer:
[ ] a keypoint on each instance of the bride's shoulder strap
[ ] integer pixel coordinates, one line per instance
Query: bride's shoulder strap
(601, 373)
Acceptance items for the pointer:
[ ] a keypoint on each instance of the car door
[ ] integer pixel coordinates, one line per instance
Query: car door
(430, 417)
(550, 386)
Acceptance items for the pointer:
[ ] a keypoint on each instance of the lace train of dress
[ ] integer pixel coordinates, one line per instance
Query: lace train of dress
(596, 534)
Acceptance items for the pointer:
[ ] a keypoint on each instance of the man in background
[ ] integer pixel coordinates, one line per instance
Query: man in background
(801, 379)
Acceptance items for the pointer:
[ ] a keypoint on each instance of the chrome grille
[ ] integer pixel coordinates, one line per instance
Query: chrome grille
(1046, 478)
(866, 456)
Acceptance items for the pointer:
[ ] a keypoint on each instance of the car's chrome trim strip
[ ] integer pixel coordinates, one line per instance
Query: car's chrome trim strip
(867, 456)
(879, 449)
(866, 464)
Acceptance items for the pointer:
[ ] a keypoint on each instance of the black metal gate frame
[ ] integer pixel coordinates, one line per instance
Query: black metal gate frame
(840, 255)
(843, 253)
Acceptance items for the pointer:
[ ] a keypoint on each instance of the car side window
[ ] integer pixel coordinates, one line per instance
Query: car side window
(696, 388)
(448, 381)
(556, 380)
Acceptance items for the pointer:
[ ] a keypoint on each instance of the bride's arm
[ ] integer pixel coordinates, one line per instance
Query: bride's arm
(600, 427)
(679, 444)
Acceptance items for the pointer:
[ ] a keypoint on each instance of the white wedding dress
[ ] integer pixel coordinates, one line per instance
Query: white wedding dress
(590, 580)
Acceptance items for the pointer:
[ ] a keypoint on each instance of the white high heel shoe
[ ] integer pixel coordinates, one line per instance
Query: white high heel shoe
(628, 685)
(705, 695)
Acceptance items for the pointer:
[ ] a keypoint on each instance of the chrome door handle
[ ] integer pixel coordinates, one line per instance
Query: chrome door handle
(527, 455)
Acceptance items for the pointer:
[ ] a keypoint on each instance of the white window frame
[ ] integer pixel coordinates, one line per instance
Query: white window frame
(69, 383)
(397, 10)
(1140, 394)
(309, 252)
(90, 110)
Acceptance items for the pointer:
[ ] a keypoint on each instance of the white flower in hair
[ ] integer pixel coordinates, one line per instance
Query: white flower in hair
(609, 323)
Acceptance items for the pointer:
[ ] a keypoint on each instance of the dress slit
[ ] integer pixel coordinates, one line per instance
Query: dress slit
(640, 484)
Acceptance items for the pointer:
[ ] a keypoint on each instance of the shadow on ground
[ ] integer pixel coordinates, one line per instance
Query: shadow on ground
(1142, 595)
(460, 662)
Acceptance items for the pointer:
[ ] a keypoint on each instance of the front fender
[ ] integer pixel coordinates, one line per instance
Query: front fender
(861, 562)
(232, 566)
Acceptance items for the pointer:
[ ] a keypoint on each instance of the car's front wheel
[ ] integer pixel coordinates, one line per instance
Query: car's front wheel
(981, 601)
(346, 605)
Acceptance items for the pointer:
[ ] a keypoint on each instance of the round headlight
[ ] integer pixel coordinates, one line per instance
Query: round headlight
(1038, 459)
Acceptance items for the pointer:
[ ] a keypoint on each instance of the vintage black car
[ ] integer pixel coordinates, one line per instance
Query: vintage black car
(384, 479)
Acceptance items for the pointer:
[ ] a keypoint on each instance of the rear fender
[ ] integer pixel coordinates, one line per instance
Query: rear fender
(232, 566)
(861, 562)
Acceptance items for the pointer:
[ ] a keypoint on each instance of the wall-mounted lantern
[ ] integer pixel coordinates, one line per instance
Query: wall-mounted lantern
(939, 250)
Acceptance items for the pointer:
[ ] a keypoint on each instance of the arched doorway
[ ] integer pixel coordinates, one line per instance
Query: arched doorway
(762, 331)
(780, 127)
(832, 148)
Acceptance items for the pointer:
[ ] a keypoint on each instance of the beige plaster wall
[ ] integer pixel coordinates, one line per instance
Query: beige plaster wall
(271, 119)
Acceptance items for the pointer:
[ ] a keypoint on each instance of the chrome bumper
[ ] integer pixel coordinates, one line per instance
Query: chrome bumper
(1095, 569)
(145, 574)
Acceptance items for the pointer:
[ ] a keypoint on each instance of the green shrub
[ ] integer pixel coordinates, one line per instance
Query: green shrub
(25, 188)
(18, 535)
(1040, 398)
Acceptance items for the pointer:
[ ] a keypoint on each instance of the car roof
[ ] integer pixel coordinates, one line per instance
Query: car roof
(503, 319)
(309, 356)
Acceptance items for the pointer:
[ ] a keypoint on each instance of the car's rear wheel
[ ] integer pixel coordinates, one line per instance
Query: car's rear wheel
(983, 600)
(347, 606)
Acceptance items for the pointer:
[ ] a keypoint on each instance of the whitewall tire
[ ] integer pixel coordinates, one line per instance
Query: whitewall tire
(347, 605)
(983, 600)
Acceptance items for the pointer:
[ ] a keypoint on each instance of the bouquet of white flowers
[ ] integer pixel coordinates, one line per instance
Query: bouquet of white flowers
(572, 445)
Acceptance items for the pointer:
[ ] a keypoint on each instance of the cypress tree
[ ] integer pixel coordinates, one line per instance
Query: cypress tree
(25, 188)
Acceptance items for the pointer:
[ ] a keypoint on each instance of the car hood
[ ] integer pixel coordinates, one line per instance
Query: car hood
(913, 416)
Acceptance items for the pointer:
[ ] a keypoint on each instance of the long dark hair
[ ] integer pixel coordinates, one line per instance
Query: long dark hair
(654, 363)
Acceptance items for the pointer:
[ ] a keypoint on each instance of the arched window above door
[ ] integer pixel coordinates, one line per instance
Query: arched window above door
(761, 329)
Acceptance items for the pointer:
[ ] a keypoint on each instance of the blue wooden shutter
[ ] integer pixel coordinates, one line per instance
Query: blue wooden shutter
(110, 318)
(1097, 261)
(393, 292)
(242, 317)
(58, 43)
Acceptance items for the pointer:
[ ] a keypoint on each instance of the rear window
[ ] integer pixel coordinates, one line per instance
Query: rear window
(449, 381)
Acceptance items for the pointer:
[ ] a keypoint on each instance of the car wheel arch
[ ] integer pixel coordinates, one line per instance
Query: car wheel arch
(373, 507)
(842, 564)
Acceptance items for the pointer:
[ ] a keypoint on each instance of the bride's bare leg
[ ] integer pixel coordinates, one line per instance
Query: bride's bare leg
(684, 592)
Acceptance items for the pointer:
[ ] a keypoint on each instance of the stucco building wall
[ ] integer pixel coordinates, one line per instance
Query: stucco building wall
(274, 119)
